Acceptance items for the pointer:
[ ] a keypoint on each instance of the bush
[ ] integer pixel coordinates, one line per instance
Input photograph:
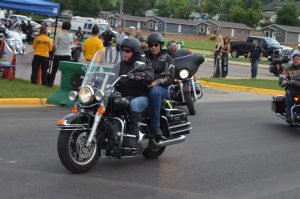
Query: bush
(212, 37)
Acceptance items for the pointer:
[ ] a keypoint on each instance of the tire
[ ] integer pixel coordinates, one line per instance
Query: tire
(153, 153)
(190, 103)
(234, 53)
(73, 154)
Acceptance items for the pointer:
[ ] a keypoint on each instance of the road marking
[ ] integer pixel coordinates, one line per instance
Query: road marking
(11, 161)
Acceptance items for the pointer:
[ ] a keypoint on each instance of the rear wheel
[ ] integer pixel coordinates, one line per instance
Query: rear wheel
(190, 103)
(72, 152)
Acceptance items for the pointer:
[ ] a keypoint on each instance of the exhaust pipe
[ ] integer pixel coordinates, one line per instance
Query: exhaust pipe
(169, 142)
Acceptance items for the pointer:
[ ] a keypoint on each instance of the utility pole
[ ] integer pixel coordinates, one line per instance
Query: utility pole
(121, 6)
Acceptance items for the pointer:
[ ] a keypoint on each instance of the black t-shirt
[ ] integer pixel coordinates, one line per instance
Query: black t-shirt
(107, 38)
(255, 52)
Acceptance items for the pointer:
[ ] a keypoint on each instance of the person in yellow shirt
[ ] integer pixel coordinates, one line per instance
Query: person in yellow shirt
(93, 45)
(42, 45)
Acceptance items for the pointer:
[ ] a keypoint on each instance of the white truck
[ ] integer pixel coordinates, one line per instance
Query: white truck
(87, 24)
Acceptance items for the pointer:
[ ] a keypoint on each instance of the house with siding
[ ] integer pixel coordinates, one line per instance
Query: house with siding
(173, 25)
(282, 33)
(235, 31)
(127, 21)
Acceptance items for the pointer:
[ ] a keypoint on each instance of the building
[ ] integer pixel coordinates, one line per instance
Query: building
(127, 21)
(172, 25)
(282, 33)
(236, 31)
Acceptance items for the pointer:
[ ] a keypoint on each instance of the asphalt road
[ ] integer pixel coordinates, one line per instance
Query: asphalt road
(237, 149)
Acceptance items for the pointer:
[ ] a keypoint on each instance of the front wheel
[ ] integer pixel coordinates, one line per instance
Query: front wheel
(73, 153)
(190, 103)
(153, 153)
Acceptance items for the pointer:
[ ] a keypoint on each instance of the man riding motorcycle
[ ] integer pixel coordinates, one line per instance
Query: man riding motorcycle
(135, 85)
(290, 79)
(164, 72)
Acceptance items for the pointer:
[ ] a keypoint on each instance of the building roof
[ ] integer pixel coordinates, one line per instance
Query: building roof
(130, 17)
(288, 28)
(228, 24)
(177, 21)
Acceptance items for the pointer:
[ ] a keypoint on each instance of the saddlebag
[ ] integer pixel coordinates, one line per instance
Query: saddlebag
(177, 122)
(278, 104)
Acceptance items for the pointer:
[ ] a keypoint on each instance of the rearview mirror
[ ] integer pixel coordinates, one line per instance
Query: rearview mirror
(139, 65)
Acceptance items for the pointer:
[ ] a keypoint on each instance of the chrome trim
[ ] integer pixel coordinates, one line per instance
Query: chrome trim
(175, 132)
(168, 142)
(294, 107)
(97, 119)
(185, 124)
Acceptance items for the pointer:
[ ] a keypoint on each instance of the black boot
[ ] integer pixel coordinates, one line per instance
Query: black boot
(157, 133)
(135, 118)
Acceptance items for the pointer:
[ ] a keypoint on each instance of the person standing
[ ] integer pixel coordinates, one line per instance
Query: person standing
(224, 57)
(108, 37)
(42, 45)
(62, 45)
(217, 56)
(120, 37)
(92, 45)
(255, 54)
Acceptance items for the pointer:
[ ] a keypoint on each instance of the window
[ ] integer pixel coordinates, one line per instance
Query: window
(195, 28)
(186, 27)
(279, 34)
(90, 26)
(239, 31)
(112, 22)
(160, 24)
(145, 24)
(202, 29)
(248, 32)
(150, 25)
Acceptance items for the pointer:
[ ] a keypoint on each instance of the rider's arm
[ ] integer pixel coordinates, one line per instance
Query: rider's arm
(283, 79)
(168, 74)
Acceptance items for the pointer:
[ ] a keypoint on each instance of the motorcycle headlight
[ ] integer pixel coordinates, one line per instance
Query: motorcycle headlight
(86, 94)
(99, 95)
(184, 73)
(73, 96)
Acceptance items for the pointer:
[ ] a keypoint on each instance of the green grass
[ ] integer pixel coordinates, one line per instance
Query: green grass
(255, 83)
(241, 59)
(201, 45)
(18, 88)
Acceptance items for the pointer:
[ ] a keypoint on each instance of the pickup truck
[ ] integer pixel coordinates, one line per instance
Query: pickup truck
(268, 44)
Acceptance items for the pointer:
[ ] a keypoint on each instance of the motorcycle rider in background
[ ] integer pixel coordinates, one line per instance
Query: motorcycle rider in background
(164, 72)
(143, 43)
(291, 73)
(135, 85)
(173, 49)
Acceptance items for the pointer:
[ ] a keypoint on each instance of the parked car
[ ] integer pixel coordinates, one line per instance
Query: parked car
(268, 45)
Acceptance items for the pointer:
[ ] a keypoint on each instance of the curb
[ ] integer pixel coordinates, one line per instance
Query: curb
(242, 88)
(23, 102)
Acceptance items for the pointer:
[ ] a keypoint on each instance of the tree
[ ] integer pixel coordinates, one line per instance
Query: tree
(83, 8)
(173, 8)
(288, 15)
(212, 7)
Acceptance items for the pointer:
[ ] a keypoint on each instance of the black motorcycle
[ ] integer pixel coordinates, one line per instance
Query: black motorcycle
(186, 90)
(98, 124)
(275, 67)
(279, 107)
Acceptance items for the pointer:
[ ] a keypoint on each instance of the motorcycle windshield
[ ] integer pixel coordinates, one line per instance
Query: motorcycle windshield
(100, 76)
(187, 60)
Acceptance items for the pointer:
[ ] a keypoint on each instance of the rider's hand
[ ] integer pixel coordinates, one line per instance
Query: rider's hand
(154, 83)
(283, 83)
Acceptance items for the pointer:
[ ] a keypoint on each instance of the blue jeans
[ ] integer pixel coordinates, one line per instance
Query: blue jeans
(108, 49)
(288, 102)
(156, 95)
(254, 66)
(138, 104)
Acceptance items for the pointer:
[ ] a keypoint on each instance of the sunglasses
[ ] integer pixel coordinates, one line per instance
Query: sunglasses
(155, 45)
(126, 50)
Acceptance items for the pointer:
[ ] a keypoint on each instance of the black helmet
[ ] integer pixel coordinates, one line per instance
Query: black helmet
(132, 43)
(142, 38)
(155, 37)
